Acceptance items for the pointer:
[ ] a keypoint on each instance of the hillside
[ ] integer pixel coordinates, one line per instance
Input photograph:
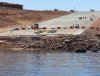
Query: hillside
(26, 17)
(95, 28)
(93, 31)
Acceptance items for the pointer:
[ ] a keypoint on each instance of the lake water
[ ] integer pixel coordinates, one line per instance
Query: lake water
(49, 64)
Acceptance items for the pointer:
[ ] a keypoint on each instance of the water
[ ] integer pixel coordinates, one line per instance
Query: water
(49, 64)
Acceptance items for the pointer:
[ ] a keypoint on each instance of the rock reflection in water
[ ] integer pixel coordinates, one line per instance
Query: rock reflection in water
(49, 64)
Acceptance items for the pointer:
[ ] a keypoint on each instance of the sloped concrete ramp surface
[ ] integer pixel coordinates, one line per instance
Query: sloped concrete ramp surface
(81, 19)
(70, 20)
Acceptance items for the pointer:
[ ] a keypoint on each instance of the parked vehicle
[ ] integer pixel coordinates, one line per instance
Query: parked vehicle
(16, 29)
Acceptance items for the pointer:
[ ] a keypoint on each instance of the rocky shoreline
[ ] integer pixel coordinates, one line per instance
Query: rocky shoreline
(49, 43)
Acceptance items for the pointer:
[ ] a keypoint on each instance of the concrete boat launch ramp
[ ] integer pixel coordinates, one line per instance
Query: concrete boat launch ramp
(70, 20)
(74, 24)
